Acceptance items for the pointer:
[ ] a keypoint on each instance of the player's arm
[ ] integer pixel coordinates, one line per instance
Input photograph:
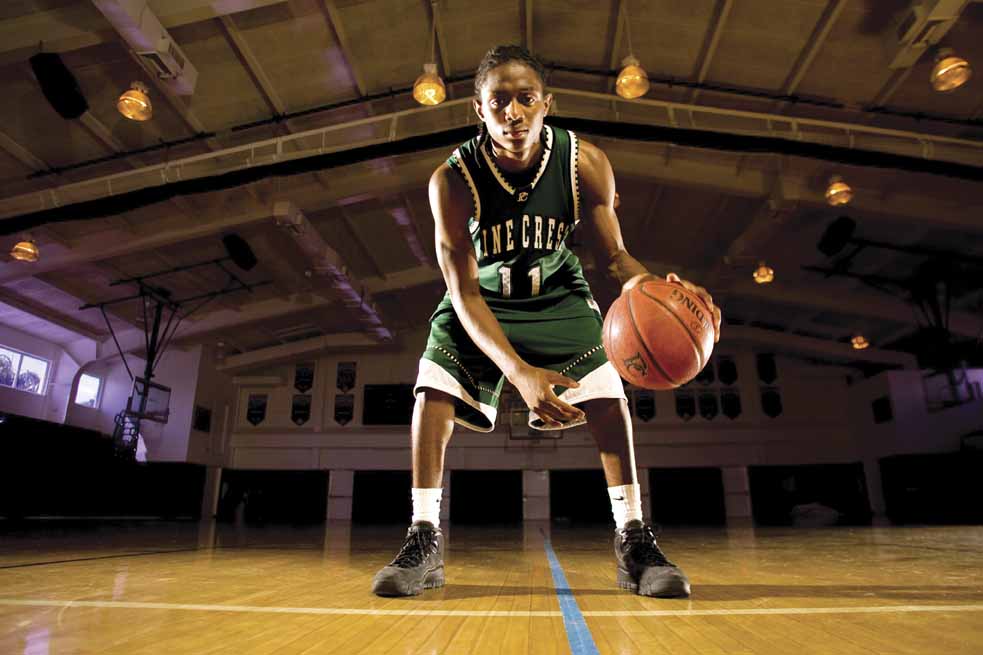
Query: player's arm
(606, 243)
(597, 196)
(451, 203)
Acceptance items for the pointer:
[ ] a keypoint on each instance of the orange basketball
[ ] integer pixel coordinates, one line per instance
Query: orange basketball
(658, 335)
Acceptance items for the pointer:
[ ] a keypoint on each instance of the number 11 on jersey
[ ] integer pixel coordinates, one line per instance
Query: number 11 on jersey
(535, 280)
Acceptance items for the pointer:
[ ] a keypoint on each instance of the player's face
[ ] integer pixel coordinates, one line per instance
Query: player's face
(512, 106)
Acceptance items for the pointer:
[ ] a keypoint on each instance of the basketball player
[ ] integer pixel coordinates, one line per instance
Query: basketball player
(518, 307)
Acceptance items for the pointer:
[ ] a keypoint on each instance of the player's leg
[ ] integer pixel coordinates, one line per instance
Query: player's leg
(606, 418)
(419, 564)
(456, 384)
(642, 566)
(573, 347)
(433, 424)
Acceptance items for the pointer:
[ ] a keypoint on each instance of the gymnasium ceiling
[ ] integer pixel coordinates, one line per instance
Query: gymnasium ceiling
(335, 75)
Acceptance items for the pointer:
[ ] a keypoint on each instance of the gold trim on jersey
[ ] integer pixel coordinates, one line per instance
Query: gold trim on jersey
(574, 182)
(542, 164)
(463, 167)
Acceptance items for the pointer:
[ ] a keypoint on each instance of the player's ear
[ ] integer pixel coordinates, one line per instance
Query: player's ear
(478, 109)
(548, 101)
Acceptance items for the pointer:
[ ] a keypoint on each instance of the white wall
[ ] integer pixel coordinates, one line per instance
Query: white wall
(52, 404)
(116, 386)
(215, 392)
(177, 369)
(913, 429)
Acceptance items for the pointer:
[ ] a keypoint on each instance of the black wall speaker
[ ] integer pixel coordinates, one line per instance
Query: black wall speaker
(59, 85)
(239, 251)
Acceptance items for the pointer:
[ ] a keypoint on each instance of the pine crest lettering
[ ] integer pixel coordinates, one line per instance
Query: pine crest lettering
(533, 231)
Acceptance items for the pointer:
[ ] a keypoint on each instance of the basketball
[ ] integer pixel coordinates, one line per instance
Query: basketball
(658, 335)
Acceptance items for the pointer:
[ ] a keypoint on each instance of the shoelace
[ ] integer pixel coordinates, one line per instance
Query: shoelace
(416, 547)
(640, 542)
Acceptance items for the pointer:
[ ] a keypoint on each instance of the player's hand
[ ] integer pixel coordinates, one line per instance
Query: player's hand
(535, 385)
(672, 278)
(636, 280)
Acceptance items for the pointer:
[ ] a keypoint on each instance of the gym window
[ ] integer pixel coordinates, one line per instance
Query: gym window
(87, 394)
(19, 370)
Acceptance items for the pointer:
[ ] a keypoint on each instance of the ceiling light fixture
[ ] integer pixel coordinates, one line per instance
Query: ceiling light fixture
(950, 72)
(764, 273)
(135, 103)
(429, 89)
(859, 342)
(838, 192)
(26, 250)
(633, 81)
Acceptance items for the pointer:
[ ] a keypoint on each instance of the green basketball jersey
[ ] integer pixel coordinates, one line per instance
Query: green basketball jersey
(519, 234)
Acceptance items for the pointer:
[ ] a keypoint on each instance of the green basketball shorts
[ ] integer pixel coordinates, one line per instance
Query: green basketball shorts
(452, 363)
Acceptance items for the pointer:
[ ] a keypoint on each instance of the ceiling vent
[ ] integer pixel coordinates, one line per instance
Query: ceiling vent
(924, 26)
(147, 37)
(167, 59)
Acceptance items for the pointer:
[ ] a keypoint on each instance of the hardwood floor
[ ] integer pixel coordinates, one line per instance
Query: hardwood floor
(186, 588)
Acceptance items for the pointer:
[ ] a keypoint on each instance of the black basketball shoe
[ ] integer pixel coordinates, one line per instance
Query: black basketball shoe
(418, 566)
(643, 568)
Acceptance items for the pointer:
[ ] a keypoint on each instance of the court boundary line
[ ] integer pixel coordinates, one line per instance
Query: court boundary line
(260, 609)
(99, 557)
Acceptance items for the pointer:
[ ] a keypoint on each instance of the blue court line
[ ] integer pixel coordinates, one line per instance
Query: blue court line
(578, 634)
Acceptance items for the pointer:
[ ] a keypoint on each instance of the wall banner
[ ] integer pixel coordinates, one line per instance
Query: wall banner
(304, 377)
(256, 408)
(300, 409)
(344, 408)
(645, 404)
(346, 376)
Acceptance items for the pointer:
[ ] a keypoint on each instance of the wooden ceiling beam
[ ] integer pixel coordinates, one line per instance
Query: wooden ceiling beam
(401, 211)
(214, 322)
(96, 248)
(905, 205)
(46, 313)
(80, 25)
(851, 303)
(712, 41)
(217, 321)
(289, 351)
(527, 25)
(353, 235)
(814, 45)
(326, 262)
(332, 17)
(244, 53)
(797, 344)
(22, 154)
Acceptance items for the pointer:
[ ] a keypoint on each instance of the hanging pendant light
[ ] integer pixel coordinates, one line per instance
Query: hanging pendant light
(838, 192)
(135, 103)
(763, 274)
(633, 81)
(26, 251)
(859, 342)
(429, 89)
(950, 72)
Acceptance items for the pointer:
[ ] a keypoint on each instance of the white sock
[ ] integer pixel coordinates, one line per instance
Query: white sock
(426, 505)
(626, 503)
